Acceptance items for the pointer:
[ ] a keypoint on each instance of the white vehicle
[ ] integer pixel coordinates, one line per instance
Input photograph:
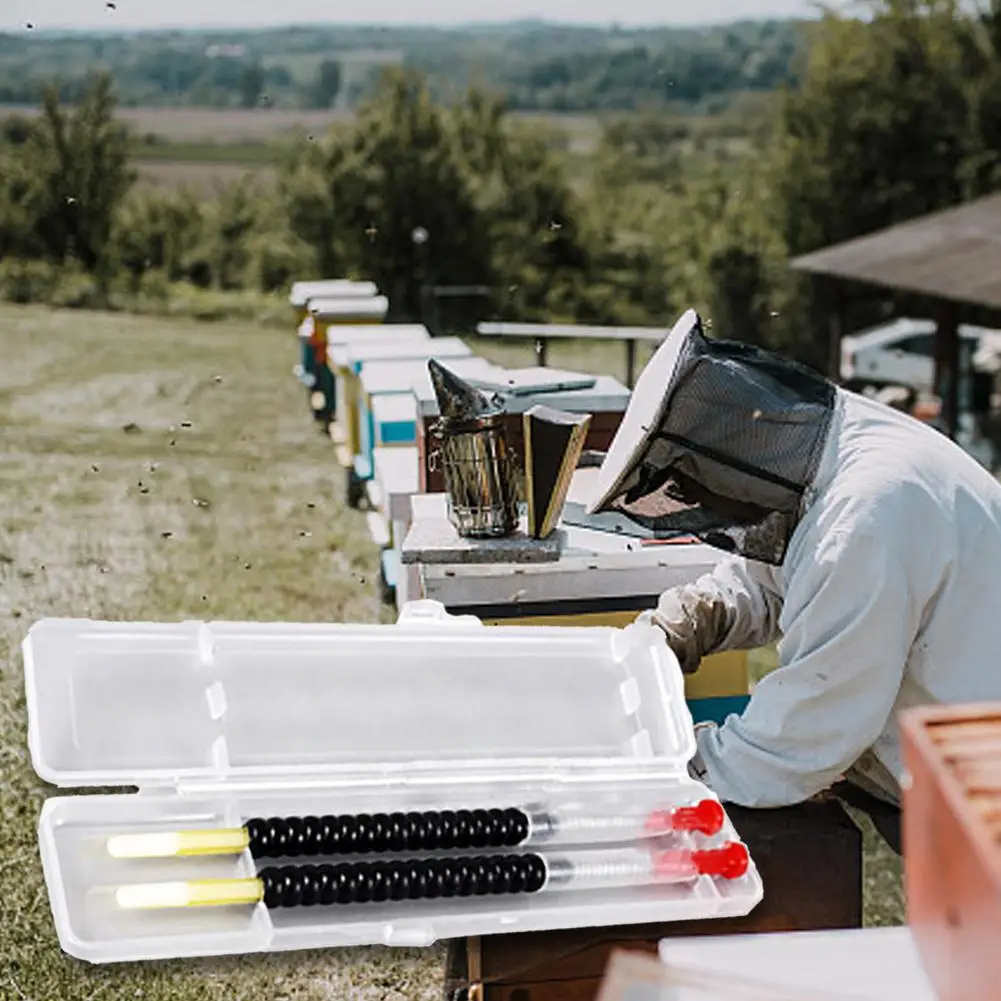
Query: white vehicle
(902, 353)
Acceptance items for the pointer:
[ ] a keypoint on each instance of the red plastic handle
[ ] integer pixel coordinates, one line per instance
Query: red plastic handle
(706, 817)
(729, 862)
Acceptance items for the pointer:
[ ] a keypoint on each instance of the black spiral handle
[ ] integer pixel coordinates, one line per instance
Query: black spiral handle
(402, 879)
(367, 834)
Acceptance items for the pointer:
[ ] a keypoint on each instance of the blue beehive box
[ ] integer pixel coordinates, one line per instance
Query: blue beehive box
(361, 431)
(340, 343)
(387, 408)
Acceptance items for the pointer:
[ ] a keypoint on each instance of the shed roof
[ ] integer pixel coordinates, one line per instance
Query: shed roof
(953, 255)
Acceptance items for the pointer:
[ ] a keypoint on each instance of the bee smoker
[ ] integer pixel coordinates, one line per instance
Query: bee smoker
(482, 477)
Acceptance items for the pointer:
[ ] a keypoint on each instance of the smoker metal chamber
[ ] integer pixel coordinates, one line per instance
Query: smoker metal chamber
(482, 476)
(481, 471)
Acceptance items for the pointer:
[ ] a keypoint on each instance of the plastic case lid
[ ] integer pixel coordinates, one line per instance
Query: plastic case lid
(435, 695)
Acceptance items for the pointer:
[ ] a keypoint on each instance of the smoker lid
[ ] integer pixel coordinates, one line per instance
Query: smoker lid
(458, 401)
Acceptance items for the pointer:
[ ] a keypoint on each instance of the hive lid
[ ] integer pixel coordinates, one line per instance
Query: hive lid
(393, 376)
(336, 288)
(534, 381)
(373, 333)
(361, 351)
(357, 308)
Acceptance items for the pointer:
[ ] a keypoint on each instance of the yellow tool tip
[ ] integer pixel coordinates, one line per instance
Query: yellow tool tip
(167, 844)
(146, 896)
(130, 846)
(190, 893)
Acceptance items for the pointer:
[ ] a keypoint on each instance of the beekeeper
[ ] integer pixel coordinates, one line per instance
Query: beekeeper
(866, 543)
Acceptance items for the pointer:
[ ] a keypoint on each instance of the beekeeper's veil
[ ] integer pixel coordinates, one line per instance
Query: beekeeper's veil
(720, 440)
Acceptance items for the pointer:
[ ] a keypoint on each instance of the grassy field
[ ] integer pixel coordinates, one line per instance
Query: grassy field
(204, 166)
(206, 178)
(244, 154)
(203, 148)
(162, 470)
(230, 125)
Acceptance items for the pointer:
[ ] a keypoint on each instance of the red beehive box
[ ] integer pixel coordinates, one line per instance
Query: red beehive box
(952, 845)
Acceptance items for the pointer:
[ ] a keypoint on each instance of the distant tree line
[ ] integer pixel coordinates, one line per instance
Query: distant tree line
(541, 68)
(893, 117)
(180, 79)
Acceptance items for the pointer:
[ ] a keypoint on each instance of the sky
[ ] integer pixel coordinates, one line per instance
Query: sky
(131, 14)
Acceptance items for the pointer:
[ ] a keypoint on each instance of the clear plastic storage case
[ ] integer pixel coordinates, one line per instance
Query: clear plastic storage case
(216, 723)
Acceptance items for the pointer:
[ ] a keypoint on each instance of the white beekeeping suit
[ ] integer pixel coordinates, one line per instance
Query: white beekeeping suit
(868, 544)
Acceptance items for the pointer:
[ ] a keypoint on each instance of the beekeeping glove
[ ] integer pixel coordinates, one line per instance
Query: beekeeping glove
(695, 623)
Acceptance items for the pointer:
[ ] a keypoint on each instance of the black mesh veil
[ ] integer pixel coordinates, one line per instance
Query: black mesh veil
(736, 449)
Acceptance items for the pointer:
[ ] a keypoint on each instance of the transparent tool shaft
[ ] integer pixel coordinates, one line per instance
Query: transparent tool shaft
(355, 883)
(580, 828)
(636, 867)
(429, 830)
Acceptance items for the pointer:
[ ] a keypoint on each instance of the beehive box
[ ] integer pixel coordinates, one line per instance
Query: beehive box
(952, 845)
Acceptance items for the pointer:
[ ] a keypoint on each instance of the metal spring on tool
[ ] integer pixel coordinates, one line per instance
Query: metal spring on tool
(404, 879)
(363, 834)
(584, 829)
(608, 871)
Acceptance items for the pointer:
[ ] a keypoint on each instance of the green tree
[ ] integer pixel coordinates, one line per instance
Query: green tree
(19, 237)
(398, 197)
(328, 84)
(16, 130)
(235, 216)
(895, 118)
(64, 186)
(159, 230)
(251, 85)
(538, 229)
(306, 186)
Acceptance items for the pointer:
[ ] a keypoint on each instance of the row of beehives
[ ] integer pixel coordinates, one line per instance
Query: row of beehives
(368, 386)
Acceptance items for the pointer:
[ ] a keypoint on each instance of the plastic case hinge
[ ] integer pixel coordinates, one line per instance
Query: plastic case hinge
(429, 612)
(414, 937)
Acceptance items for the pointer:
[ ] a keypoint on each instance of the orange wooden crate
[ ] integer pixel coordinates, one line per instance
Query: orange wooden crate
(952, 846)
